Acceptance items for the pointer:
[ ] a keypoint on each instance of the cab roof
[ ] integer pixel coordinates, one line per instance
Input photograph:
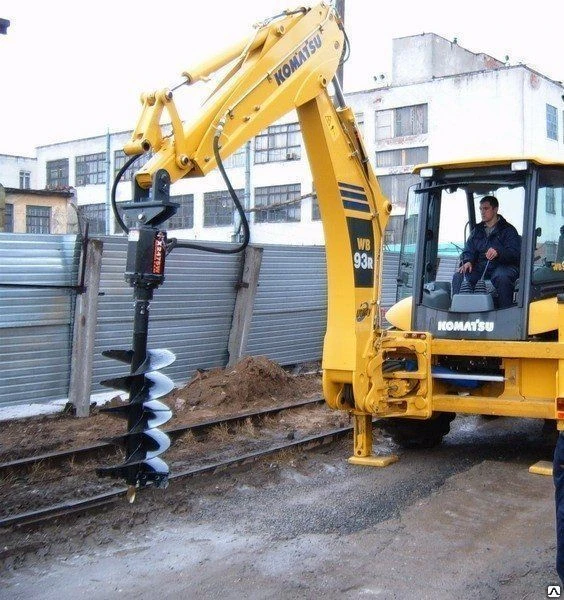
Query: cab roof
(488, 162)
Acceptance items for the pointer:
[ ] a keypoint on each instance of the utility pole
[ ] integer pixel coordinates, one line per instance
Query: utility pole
(340, 8)
(108, 211)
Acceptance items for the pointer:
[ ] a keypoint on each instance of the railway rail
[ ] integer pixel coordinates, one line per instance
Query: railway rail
(76, 506)
(85, 452)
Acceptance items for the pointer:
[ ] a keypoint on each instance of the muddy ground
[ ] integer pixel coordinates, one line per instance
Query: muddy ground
(465, 520)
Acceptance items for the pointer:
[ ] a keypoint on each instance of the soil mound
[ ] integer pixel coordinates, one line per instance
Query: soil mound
(252, 380)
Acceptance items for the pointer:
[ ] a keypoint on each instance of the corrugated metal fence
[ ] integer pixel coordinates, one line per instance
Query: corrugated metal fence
(38, 274)
(291, 306)
(191, 313)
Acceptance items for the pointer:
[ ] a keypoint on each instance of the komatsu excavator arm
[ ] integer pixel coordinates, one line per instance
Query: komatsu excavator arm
(288, 65)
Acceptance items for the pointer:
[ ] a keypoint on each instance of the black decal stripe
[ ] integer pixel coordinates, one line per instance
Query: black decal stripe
(354, 195)
(356, 206)
(351, 186)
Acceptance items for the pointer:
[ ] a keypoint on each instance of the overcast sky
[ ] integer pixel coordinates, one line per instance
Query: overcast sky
(76, 69)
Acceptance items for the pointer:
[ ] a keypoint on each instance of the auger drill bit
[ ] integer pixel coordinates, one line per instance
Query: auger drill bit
(144, 442)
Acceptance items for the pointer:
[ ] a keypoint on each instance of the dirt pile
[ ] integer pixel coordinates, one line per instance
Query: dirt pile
(251, 381)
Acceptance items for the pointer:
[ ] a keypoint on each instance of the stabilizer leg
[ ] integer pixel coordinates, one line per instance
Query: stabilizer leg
(363, 444)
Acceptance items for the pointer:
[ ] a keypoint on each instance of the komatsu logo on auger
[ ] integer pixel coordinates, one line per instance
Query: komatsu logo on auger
(304, 53)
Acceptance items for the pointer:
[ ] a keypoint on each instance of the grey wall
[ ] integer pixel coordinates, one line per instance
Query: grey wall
(290, 307)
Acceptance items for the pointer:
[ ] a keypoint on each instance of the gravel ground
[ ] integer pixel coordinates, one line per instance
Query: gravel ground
(465, 520)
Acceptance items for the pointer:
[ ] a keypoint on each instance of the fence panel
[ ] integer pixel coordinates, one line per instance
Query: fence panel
(291, 306)
(35, 321)
(190, 314)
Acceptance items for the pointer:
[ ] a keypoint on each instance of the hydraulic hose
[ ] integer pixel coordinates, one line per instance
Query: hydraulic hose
(114, 188)
(174, 243)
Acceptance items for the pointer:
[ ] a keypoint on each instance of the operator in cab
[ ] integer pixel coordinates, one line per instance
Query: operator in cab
(491, 252)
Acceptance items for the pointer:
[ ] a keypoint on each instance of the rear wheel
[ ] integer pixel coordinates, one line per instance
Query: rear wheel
(415, 433)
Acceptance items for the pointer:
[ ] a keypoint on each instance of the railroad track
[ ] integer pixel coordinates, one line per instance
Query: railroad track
(93, 450)
(81, 505)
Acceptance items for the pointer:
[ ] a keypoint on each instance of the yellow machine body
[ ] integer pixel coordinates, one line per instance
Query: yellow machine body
(531, 380)
(288, 65)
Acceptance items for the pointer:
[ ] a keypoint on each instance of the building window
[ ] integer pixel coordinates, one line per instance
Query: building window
(550, 200)
(551, 122)
(9, 218)
(120, 158)
(281, 202)
(384, 130)
(184, 217)
(237, 159)
(279, 142)
(395, 187)
(95, 215)
(25, 180)
(402, 157)
(91, 169)
(359, 118)
(38, 219)
(410, 120)
(57, 173)
(218, 208)
(399, 122)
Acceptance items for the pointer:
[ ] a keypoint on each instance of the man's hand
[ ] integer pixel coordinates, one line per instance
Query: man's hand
(466, 267)
(491, 253)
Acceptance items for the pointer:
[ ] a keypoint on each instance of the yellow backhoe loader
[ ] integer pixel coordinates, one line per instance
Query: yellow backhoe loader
(440, 356)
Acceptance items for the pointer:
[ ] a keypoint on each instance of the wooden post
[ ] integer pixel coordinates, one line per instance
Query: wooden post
(85, 317)
(2, 208)
(244, 303)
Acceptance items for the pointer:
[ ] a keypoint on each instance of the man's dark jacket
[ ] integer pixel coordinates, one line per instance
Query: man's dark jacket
(504, 239)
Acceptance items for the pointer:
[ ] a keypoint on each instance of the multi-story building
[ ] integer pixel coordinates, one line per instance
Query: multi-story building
(441, 102)
(444, 102)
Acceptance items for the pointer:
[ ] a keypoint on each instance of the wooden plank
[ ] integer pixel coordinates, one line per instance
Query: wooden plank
(244, 304)
(85, 318)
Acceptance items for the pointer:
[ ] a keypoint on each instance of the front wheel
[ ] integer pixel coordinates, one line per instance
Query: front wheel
(416, 433)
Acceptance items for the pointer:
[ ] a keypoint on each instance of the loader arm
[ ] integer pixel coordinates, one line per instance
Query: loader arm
(287, 65)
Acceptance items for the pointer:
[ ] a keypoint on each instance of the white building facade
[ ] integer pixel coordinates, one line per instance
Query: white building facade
(442, 102)
(18, 172)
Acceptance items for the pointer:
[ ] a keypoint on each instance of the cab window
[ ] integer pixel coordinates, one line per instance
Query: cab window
(549, 244)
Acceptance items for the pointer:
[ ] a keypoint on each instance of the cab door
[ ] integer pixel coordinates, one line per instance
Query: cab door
(408, 248)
